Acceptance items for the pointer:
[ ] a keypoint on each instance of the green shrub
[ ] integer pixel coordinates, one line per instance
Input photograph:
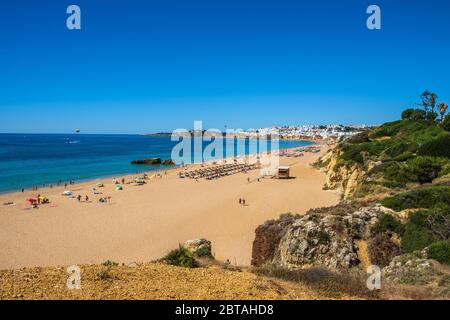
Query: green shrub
(387, 222)
(439, 147)
(426, 227)
(398, 174)
(445, 170)
(352, 154)
(105, 273)
(203, 252)
(425, 169)
(417, 235)
(440, 251)
(445, 124)
(421, 198)
(439, 221)
(181, 257)
(431, 116)
(397, 148)
(404, 156)
(110, 263)
(359, 137)
(414, 114)
(393, 184)
(407, 114)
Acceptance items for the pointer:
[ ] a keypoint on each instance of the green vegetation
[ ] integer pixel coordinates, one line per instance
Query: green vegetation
(425, 228)
(387, 222)
(203, 252)
(440, 251)
(421, 169)
(425, 169)
(181, 257)
(421, 198)
(445, 124)
(417, 235)
(399, 158)
(438, 147)
(105, 273)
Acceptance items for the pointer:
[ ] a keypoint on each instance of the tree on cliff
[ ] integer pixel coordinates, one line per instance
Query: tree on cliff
(428, 100)
(442, 109)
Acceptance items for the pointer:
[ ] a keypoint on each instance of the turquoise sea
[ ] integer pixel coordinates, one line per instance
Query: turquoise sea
(28, 160)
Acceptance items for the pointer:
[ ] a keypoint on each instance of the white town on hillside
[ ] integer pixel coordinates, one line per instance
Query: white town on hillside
(336, 132)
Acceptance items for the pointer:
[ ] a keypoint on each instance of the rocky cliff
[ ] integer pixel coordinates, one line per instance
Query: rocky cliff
(340, 176)
(314, 239)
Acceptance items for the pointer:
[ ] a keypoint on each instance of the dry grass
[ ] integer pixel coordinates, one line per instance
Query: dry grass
(327, 283)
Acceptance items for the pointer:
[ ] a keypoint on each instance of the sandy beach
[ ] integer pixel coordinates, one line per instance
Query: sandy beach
(142, 223)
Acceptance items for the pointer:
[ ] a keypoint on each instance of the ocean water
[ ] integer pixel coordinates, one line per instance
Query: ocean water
(27, 160)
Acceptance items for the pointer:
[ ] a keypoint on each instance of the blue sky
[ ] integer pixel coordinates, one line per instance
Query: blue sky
(145, 66)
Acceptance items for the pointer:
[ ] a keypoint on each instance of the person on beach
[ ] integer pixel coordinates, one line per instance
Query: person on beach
(86, 198)
(240, 201)
(65, 186)
(79, 198)
(23, 190)
(123, 181)
(243, 202)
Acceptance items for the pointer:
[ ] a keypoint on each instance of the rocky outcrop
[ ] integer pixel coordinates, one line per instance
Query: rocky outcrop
(147, 161)
(199, 247)
(416, 269)
(314, 239)
(267, 238)
(340, 176)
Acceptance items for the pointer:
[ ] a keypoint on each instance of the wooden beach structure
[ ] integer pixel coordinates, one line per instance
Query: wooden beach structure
(283, 172)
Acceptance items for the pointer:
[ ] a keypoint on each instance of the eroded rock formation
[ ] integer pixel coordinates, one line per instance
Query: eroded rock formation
(314, 239)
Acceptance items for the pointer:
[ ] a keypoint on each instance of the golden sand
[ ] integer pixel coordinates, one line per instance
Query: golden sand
(142, 223)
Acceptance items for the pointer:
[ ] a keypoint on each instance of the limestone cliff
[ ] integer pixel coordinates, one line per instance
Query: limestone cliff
(341, 176)
(316, 239)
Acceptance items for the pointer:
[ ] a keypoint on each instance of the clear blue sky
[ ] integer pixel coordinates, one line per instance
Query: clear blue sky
(144, 66)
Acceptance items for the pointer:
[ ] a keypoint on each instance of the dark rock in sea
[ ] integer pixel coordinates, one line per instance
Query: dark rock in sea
(168, 162)
(147, 161)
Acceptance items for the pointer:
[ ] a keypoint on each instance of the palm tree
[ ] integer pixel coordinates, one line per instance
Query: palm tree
(442, 109)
